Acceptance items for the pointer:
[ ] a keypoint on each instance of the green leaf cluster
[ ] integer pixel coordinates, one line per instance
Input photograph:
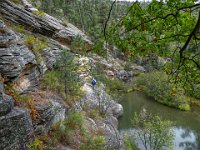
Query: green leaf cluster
(157, 85)
(153, 132)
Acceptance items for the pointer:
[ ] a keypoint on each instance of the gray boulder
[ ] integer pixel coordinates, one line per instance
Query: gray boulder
(50, 109)
(6, 105)
(124, 75)
(98, 99)
(16, 130)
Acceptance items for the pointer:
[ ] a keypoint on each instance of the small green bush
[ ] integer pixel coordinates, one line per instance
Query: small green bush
(116, 85)
(65, 131)
(156, 85)
(36, 145)
(75, 121)
(129, 143)
(78, 45)
(184, 107)
(94, 143)
(16, 1)
(94, 114)
(19, 28)
(99, 49)
(52, 80)
(17, 96)
(64, 78)
(35, 44)
(196, 92)
(39, 13)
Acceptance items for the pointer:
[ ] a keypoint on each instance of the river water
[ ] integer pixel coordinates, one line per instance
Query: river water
(187, 124)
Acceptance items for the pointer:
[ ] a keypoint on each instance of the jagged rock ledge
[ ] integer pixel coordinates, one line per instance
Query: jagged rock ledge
(45, 25)
(16, 130)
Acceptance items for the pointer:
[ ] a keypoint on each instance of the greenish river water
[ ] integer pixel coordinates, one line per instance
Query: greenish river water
(187, 124)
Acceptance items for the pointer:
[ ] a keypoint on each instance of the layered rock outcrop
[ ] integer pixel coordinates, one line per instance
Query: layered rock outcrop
(14, 55)
(43, 24)
(16, 130)
(18, 63)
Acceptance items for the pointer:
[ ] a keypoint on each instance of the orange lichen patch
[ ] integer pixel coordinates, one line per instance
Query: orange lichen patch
(32, 109)
(9, 90)
(21, 100)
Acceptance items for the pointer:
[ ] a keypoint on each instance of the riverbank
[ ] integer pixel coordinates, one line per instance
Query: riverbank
(186, 124)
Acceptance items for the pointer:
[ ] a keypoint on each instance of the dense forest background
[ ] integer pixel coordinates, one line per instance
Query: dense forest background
(138, 28)
(88, 15)
(127, 47)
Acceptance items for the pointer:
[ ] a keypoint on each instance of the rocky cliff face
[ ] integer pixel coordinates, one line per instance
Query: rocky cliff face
(16, 130)
(44, 24)
(19, 65)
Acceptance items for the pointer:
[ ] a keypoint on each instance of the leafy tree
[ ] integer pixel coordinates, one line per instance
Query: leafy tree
(153, 132)
(169, 29)
(63, 78)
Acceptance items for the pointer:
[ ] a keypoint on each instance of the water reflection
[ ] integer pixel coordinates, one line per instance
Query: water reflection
(187, 124)
(185, 139)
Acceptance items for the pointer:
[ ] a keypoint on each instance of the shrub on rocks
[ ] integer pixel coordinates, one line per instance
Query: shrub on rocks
(156, 85)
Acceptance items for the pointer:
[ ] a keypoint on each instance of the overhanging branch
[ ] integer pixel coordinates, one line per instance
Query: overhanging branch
(106, 23)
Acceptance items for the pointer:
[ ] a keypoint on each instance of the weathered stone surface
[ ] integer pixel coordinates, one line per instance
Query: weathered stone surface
(16, 130)
(7, 37)
(136, 70)
(69, 33)
(100, 100)
(28, 79)
(50, 109)
(110, 73)
(46, 25)
(117, 110)
(51, 55)
(124, 75)
(6, 104)
(1, 89)
(108, 126)
(14, 55)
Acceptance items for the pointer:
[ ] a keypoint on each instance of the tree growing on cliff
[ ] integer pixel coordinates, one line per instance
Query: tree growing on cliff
(168, 28)
(63, 78)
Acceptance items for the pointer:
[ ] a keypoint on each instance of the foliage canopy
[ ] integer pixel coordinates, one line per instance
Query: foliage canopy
(168, 28)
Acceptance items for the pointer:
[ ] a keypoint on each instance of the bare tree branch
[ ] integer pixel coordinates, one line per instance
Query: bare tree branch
(189, 7)
(193, 33)
(106, 23)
